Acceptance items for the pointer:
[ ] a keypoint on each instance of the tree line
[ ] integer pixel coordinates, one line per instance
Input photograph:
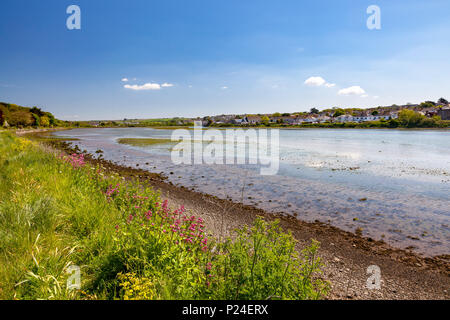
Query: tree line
(12, 115)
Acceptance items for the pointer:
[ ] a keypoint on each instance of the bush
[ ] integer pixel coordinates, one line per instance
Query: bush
(262, 263)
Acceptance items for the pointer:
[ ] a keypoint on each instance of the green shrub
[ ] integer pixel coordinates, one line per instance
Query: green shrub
(263, 263)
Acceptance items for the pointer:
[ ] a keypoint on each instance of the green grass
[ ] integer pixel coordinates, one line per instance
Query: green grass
(142, 142)
(57, 212)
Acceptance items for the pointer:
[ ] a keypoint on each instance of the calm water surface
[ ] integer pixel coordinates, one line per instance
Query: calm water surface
(324, 173)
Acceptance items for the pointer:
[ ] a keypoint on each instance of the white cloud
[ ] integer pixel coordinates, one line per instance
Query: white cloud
(364, 96)
(375, 97)
(318, 82)
(147, 86)
(125, 80)
(224, 88)
(352, 91)
(315, 81)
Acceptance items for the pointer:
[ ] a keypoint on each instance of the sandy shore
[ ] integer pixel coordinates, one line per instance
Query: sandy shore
(346, 256)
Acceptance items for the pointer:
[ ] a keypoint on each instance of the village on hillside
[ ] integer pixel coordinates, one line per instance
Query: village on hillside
(433, 111)
(336, 115)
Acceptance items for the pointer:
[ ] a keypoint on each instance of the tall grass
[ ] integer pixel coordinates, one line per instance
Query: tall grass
(57, 211)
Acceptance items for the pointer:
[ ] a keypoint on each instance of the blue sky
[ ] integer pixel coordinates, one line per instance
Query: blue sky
(217, 56)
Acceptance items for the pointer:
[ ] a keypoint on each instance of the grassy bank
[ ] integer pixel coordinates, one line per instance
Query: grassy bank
(57, 212)
(143, 142)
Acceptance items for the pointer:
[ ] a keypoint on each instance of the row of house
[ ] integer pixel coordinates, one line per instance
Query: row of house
(374, 114)
(359, 119)
(326, 116)
(316, 118)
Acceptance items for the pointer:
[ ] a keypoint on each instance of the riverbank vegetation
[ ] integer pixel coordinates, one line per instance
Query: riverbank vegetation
(143, 142)
(57, 211)
(12, 115)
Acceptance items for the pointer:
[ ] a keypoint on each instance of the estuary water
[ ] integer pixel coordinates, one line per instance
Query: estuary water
(390, 184)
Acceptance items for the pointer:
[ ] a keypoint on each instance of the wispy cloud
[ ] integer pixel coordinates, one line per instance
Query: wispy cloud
(124, 79)
(147, 86)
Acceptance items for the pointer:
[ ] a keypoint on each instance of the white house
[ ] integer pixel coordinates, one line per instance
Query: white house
(323, 119)
(344, 118)
(241, 121)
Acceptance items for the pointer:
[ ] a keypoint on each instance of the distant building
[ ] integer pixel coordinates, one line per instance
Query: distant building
(444, 114)
(344, 118)
(254, 119)
(282, 119)
(241, 121)
(323, 119)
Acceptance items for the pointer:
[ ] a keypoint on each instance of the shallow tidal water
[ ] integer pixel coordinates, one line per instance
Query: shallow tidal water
(392, 184)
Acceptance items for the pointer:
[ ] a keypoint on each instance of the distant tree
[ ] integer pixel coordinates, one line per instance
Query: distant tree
(314, 110)
(443, 101)
(45, 121)
(1, 117)
(37, 111)
(20, 118)
(427, 104)
(286, 114)
(276, 114)
(375, 113)
(338, 112)
(52, 119)
(265, 119)
(409, 118)
(37, 119)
